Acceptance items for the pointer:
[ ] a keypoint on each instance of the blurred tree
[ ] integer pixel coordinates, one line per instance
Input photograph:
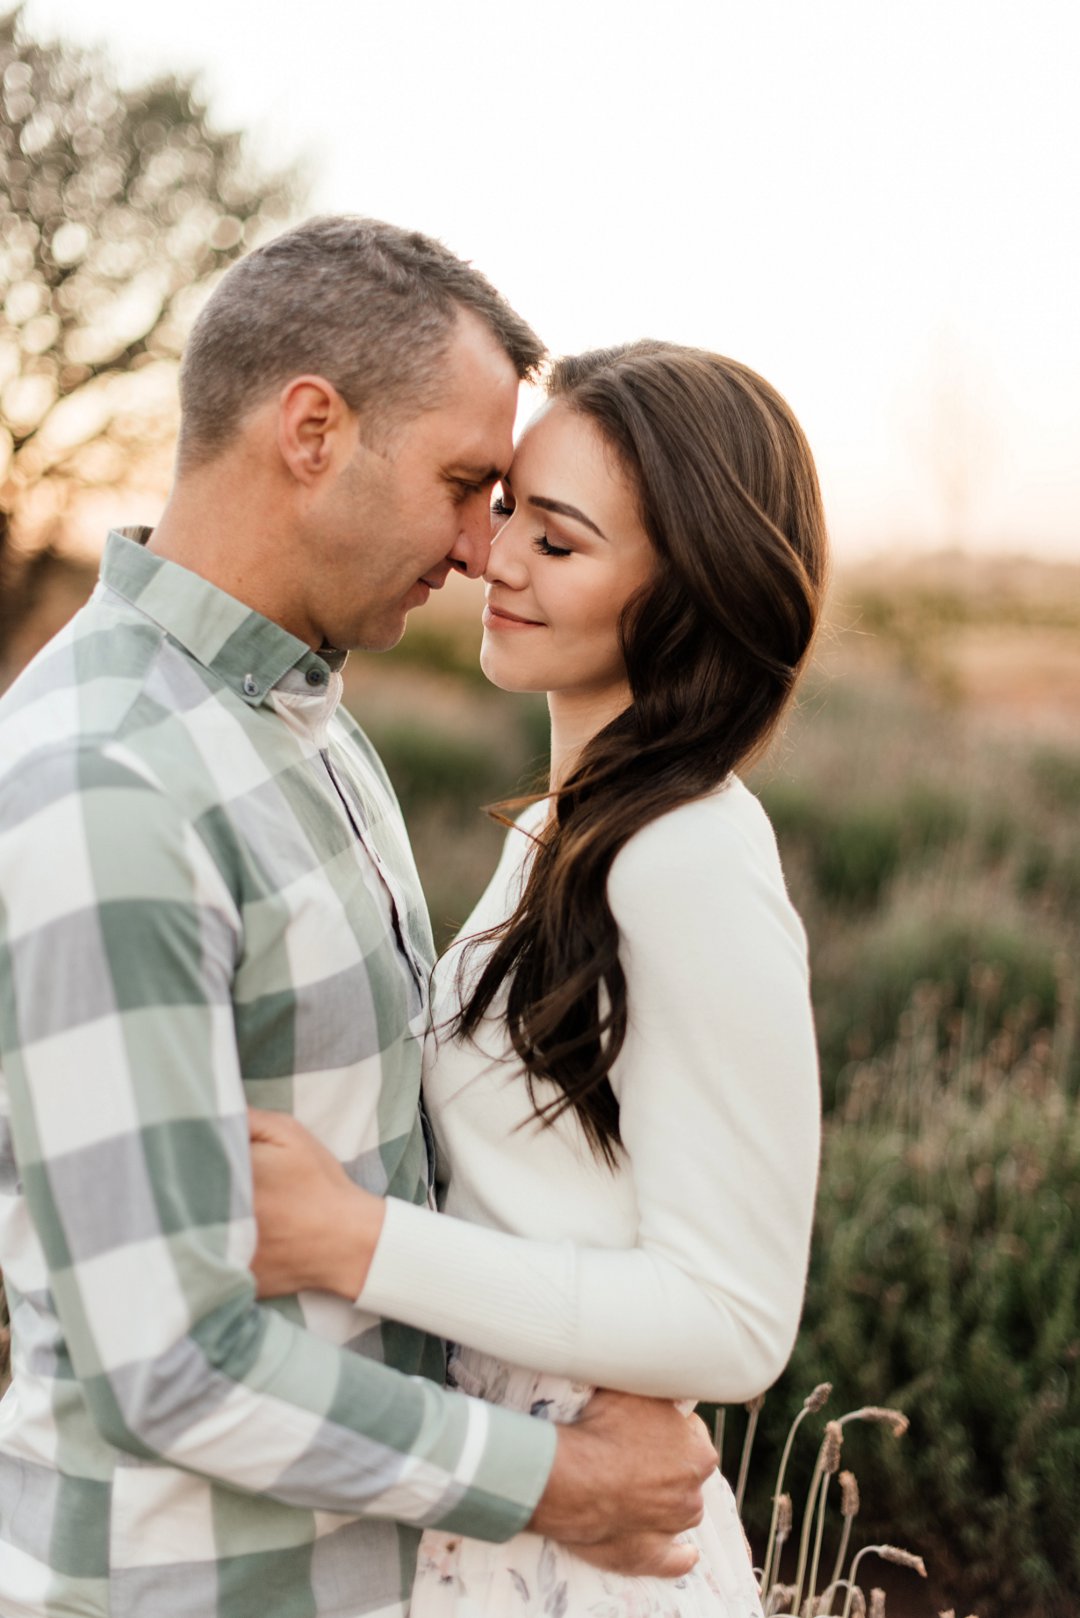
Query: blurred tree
(118, 208)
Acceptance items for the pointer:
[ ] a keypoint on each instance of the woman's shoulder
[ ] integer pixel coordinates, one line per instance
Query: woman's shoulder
(726, 825)
(718, 848)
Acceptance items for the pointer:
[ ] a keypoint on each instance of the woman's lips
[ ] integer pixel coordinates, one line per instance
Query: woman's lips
(499, 618)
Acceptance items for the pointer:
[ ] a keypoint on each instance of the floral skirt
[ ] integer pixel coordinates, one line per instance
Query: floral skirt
(533, 1577)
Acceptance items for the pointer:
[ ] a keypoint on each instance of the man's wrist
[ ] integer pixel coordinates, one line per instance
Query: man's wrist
(572, 1506)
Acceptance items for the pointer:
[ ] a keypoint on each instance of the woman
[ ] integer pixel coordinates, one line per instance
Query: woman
(622, 1078)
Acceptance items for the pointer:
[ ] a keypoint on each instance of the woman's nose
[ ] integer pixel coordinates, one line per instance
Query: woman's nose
(507, 558)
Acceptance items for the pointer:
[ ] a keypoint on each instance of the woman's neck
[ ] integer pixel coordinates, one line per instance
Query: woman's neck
(576, 717)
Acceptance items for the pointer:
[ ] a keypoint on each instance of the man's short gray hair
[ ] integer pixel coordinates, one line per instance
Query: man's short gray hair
(366, 305)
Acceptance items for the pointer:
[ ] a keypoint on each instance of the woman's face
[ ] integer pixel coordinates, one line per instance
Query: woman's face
(567, 553)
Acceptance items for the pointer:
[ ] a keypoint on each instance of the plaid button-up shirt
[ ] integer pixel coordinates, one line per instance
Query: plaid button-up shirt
(207, 899)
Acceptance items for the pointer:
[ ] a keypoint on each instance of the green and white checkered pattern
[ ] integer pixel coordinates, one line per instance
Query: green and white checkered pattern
(207, 899)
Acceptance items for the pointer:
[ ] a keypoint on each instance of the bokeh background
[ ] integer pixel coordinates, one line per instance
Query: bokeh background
(876, 206)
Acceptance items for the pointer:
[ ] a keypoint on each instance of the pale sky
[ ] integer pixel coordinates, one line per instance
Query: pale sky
(874, 204)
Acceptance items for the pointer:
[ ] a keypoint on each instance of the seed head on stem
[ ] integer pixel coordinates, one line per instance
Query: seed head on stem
(889, 1418)
(893, 1553)
(849, 1495)
(849, 1510)
(888, 1553)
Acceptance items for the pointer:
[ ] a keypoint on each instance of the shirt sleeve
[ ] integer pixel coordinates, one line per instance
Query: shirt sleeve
(119, 941)
(720, 1119)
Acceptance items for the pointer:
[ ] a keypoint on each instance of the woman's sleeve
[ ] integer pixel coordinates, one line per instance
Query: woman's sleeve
(720, 1119)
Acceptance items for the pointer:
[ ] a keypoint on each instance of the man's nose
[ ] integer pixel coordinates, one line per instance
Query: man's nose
(470, 552)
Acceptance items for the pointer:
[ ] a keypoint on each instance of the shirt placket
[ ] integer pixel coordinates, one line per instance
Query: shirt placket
(357, 814)
(308, 709)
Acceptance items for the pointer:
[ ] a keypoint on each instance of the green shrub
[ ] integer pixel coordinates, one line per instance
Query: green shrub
(855, 848)
(1057, 777)
(945, 1280)
(441, 649)
(1050, 873)
(991, 975)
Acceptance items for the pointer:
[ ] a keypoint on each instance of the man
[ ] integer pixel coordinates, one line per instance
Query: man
(207, 900)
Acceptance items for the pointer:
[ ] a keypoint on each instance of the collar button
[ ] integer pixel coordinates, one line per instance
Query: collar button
(250, 685)
(315, 677)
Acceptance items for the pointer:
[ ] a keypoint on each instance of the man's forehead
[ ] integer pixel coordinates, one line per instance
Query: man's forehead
(476, 441)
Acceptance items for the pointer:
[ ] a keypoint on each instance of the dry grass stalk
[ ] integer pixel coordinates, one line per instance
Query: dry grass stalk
(828, 1463)
(849, 1510)
(877, 1602)
(779, 1595)
(858, 1600)
(754, 1407)
(779, 1599)
(888, 1553)
(814, 1401)
(718, 1436)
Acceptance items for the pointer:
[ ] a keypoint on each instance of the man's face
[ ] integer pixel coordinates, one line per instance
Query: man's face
(400, 517)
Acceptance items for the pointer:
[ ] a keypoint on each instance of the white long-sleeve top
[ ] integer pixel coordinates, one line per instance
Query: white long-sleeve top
(680, 1273)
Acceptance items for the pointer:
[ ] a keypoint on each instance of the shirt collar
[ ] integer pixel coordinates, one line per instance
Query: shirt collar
(249, 652)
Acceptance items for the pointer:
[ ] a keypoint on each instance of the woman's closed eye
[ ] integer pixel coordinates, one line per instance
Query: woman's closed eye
(501, 510)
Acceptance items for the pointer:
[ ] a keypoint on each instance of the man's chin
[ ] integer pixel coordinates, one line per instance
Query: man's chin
(383, 635)
(383, 638)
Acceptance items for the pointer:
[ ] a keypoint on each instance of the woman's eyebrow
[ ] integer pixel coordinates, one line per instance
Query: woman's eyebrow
(561, 509)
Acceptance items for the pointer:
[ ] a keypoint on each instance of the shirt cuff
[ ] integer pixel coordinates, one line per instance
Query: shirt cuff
(512, 1474)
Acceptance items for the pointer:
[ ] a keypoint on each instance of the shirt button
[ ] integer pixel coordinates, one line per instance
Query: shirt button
(251, 686)
(315, 677)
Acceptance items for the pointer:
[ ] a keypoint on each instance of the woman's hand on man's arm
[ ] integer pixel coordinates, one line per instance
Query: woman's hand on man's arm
(317, 1230)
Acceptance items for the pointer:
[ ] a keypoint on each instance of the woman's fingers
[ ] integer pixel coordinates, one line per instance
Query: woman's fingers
(316, 1229)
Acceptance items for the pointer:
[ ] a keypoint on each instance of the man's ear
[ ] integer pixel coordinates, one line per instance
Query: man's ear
(315, 427)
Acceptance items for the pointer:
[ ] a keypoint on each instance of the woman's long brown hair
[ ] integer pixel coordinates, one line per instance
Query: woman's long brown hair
(729, 497)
